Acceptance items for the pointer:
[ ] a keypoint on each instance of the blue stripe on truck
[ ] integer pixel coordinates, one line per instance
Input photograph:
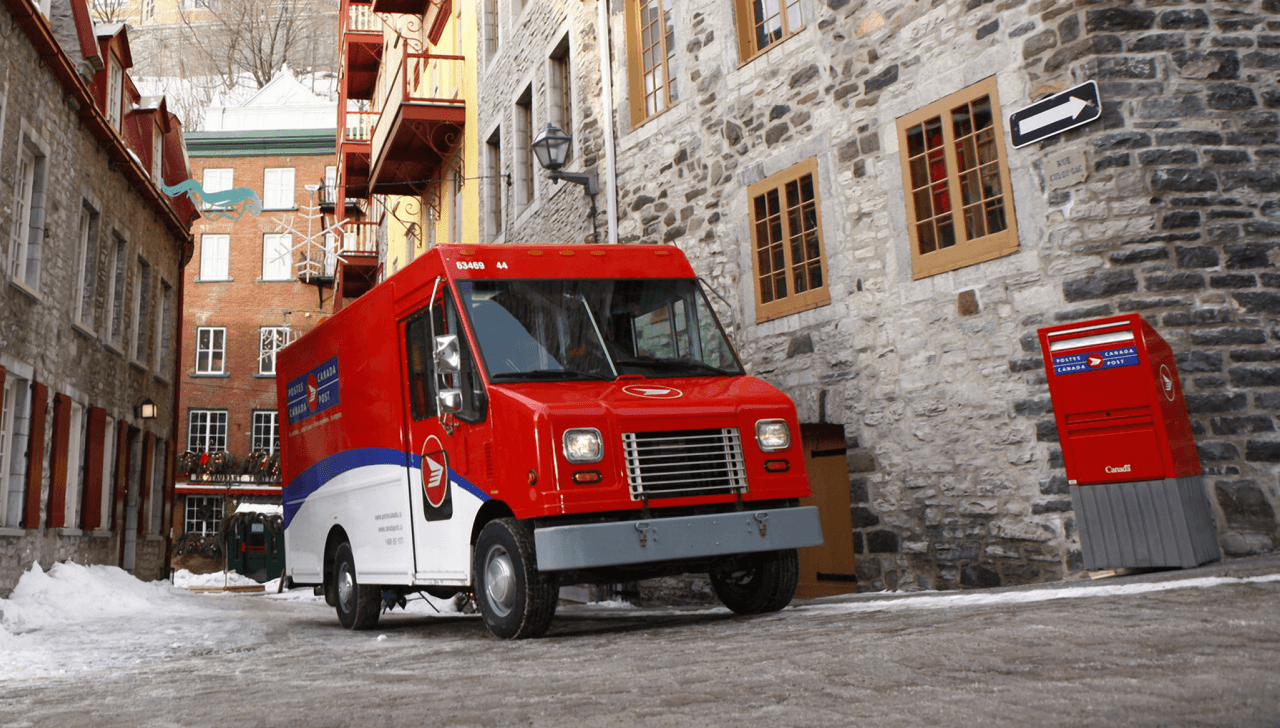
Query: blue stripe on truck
(316, 476)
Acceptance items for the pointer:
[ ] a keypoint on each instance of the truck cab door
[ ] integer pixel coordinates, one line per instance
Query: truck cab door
(447, 421)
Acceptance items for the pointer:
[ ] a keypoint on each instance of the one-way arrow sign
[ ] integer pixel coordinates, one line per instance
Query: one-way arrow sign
(1056, 114)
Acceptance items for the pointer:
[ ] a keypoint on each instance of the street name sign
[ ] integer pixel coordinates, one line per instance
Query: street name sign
(1056, 114)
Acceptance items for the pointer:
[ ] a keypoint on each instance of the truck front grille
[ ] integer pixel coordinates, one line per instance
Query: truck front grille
(684, 463)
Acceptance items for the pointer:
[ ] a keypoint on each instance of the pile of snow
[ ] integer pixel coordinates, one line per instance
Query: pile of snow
(187, 580)
(77, 618)
(264, 508)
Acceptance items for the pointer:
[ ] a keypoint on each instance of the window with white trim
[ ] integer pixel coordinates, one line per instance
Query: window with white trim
(524, 158)
(157, 153)
(79, 429)
(211, 350)
(494, 181)
(277, 257)
(215, 257)
(26, 236)
(115, 302)
(87, 265)
(207, 430)
(560, 89)
(277, 188)
(164, 331)
(140, 336)
(271, 339)
(203, 515)
(217, 180)
(115, 93)
(15, 426)
(266, 431)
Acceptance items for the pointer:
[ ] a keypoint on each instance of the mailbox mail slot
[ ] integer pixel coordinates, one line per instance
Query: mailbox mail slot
(1127, 445)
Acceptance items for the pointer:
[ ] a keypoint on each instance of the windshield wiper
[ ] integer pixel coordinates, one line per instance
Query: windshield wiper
(544, 375)
(669, 364)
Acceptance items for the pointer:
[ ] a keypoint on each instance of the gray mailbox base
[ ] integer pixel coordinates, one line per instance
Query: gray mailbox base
(1146, 523)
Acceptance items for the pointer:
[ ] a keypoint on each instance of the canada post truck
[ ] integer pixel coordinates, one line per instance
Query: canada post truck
(500, 420)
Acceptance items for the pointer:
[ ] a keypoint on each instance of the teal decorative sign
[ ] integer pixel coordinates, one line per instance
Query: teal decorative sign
(231, 204)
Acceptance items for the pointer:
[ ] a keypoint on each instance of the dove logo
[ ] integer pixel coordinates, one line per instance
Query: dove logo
(311, 392)
(433, 481)
(1095, 360)
(652, 391)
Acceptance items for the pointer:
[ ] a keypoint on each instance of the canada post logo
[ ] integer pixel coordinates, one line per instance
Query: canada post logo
(313, 392)
(1095, 360)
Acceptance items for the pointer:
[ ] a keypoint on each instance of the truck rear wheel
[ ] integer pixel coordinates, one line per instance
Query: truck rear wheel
(358, 605)
(516, 600)
(758, 583)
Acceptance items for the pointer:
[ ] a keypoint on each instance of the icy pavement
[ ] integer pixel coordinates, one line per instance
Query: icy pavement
(93, 646)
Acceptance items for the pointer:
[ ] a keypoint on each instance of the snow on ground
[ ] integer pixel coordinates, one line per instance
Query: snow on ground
(75, 618)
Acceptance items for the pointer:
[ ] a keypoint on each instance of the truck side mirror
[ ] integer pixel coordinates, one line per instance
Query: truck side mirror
(448, 354)
(449, 400)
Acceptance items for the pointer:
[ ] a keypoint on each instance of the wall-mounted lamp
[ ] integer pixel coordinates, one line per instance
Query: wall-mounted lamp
(147, 410)
(551, 147)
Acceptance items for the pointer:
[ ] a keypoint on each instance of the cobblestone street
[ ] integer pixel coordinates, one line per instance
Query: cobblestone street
(1158, 649)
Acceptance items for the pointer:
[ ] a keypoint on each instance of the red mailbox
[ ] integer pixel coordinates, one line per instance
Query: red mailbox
(1127, 445)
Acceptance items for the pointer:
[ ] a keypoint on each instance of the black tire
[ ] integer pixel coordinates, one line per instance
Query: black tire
(358, 605)
(758, 583)
(516, 600)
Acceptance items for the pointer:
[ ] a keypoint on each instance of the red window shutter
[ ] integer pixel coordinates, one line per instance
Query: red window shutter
(35, 454)
(57, 515)
(91, 494)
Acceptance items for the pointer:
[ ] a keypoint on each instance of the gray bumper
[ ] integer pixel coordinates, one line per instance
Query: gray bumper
(672, 539)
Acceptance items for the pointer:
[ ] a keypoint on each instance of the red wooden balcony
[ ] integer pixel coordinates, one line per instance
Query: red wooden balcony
(361, 49)
(420, 124)
(357, 259)
(434, 13)
(355, 132)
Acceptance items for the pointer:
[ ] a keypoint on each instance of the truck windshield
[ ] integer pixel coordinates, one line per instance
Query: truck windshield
(551, 330)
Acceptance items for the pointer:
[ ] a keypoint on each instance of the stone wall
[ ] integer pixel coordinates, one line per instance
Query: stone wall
(559, 212)
(955, 474)
(38, 339)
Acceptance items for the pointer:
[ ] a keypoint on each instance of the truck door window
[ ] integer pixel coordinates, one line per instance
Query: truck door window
(423, 384)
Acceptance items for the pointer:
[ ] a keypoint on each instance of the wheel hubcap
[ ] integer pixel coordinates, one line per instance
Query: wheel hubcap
(346, 589)
(500, 581)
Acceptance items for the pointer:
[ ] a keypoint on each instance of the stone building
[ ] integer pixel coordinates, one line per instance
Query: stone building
(258, 282)
(92, 255)
(805, 154)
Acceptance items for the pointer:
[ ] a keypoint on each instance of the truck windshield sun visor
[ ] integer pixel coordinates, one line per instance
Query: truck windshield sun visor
(552, 330)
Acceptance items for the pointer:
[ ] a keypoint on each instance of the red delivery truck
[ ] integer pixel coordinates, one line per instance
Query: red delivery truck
(504, 419)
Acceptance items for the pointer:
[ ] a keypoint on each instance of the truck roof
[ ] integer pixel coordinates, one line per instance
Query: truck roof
(561, 261)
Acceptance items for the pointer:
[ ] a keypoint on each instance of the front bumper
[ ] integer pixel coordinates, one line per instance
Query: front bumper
(594, 545)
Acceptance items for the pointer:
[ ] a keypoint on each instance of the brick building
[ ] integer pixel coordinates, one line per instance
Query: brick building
(806, 156)
(257, 282)
(92, 255)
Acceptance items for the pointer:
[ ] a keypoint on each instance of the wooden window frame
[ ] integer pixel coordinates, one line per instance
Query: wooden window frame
(87, 265)
(278, 185)
(815, 296)
(215, 256)
(277, 257)
(202, 443)
(745, 22)
(271, 339)
(667, 95)
(964, 252)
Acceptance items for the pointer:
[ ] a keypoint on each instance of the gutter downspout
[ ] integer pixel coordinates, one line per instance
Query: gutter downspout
(606, 92)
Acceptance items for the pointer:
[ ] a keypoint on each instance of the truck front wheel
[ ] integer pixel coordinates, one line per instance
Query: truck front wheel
(358, 605)
(515, 599)
(757, 583)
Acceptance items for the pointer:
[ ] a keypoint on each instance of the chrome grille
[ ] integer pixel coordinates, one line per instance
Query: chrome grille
(684, 463)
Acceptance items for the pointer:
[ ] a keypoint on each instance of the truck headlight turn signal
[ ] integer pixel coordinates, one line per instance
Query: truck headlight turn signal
(773, 435)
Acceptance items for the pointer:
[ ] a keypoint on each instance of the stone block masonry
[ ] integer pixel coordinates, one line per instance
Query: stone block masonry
(939, 382)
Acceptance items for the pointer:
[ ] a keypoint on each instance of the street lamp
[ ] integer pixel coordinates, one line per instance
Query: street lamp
(551, 147)
(147, 410)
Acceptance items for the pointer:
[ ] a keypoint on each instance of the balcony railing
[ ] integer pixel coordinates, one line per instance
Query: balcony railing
(358, 127)
(359, 237)
(360, 19)
(422, 78)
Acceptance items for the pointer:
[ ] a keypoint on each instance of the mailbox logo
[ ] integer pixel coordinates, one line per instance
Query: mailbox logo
(1125, 469)
(1166, 383)
(1095, 361)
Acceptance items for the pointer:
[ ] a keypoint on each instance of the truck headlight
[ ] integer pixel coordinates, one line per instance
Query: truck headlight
(583, 445)
(772, 435)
